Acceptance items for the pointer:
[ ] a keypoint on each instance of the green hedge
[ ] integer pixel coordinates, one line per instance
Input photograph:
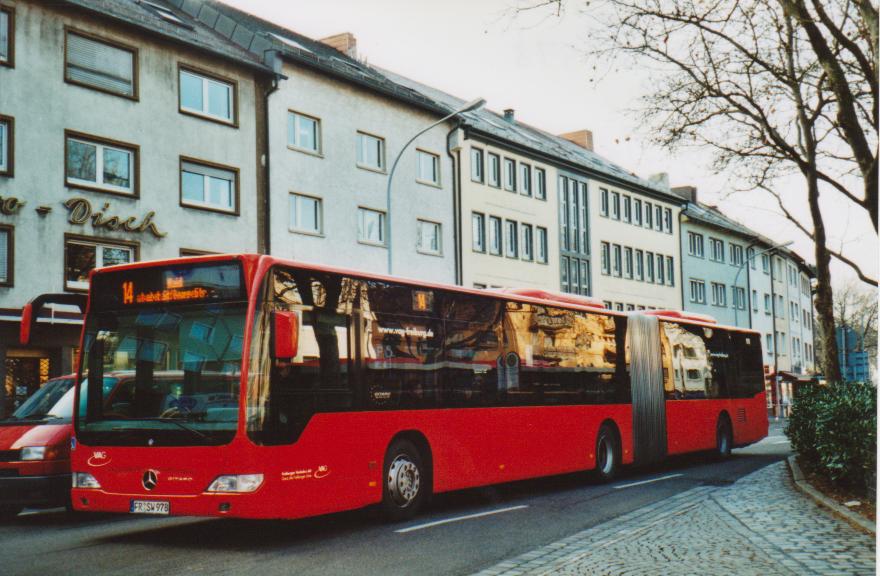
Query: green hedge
(833, 429)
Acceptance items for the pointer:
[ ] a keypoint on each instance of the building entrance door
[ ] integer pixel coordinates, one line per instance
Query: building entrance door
(26, 371)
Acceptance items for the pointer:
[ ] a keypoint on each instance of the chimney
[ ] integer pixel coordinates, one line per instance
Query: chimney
(689, 193)
(660, 178)
(583, 138)
(509, 114)
(345, 43)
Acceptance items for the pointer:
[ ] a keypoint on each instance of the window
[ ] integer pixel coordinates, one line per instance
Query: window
(780, 343)
(208, 186)
(750, 256)
(661, 269)
(478, 232)
(7, 36)
(649, 266)
(754, 300)
(525, 179)
(528, 242)
(494, 170)
(477, 165)
(371, 152)
(207, 96)
(628, 262)
(637, 212)
(7, 255)
(542, 245)
(670, 271)
(640, 265)
(736, 254)
(649, 215)
(303, 132)
(371, 226)
(305, 214)
(429, 238)
(606, 257)
(780, 306)
(769, 344)
(698, 291)
(617, 264)
(658, 218)
(540, 184)
(82, 255)
(428, 168)
(627, 208)
(768, 304)
(765, 263)
(695, 244)
(510, 175)
(97, 64)
(667, 220)
(101, 165)
(716, 249)
(739, 298)
(603, 202)
(719, 294)
(615, 205)
(495, 242)
(6, 149)
(512, 245)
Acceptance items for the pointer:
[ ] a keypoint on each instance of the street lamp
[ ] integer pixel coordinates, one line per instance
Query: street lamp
(469, 107)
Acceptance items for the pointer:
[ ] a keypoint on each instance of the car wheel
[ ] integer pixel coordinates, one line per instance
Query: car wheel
(405, 483)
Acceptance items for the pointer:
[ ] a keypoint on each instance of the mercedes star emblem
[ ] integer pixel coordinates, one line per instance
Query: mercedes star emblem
(150, 479)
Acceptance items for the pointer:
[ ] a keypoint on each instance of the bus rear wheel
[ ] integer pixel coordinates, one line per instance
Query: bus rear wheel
(405, 481)
(607, 454)
(723, 437)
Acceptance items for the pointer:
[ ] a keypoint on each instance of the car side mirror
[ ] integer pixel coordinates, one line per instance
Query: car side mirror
(285, 335)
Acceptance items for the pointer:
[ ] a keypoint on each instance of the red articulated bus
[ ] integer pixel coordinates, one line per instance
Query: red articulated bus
(265, 388)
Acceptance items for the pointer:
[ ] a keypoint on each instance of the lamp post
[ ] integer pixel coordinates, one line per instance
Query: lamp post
(469, 107)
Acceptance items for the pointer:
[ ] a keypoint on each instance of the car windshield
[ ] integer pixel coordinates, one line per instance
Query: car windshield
(63, 409)
(40, 404)
(176, 371)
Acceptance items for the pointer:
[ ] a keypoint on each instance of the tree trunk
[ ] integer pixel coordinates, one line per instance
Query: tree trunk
(824, 294)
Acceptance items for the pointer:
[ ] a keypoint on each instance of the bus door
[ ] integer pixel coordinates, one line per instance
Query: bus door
(648, 400)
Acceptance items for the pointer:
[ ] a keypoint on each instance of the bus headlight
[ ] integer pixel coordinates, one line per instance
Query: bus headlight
(236, 483)
(33, 452)
(84, 480)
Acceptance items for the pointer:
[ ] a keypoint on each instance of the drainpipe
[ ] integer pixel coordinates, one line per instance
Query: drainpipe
(264, 191)
(456, 202)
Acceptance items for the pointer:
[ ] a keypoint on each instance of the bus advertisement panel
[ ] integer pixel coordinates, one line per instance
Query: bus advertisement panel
(263, 388)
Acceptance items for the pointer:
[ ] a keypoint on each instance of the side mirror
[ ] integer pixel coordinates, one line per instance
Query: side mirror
(285, 335)
(32, 309)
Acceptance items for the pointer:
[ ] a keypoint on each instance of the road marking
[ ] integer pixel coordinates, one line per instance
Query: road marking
(631, 484)
(459, 519)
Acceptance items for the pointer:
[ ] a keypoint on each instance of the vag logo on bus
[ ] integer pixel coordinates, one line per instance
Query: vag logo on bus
(98, 458)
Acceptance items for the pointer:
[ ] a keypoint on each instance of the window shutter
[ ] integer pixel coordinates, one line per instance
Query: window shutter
(100, 65)
(4, 256)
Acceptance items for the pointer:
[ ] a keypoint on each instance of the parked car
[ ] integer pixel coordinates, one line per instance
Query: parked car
(35, 450)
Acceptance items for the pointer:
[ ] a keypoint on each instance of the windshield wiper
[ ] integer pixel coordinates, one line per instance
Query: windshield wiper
(176, 421)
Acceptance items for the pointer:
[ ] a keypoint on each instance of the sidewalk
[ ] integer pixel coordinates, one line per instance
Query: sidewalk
(760, 525)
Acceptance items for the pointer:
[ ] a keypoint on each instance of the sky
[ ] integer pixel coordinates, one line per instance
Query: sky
(536, 63)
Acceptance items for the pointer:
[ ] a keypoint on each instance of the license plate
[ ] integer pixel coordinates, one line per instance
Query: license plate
(150, 507)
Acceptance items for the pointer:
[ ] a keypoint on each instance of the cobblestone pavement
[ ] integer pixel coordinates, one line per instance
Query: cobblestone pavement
(760, 525)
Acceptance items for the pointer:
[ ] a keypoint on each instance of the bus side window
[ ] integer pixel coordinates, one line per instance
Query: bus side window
(749, 365)
(472, 347)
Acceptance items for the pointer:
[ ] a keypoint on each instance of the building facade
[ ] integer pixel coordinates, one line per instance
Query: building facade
(146, 149)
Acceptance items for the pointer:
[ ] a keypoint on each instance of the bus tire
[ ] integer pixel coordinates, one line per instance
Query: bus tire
(405, 482)
(723, 437)
(607, 454)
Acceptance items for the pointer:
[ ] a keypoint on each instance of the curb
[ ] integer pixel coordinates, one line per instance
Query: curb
(841, 512)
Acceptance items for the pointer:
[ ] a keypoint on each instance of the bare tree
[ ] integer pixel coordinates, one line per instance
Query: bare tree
(773, 89)
(856, 309)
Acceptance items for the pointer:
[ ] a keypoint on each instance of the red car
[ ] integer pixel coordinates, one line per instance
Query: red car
(35, 450)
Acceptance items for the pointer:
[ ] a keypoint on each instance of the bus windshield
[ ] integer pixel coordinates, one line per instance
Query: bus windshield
(174, 370)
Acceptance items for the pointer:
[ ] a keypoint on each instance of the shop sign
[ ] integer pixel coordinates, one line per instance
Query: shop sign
(79, 211)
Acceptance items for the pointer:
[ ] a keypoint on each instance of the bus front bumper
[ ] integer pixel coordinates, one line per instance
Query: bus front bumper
(237, 505)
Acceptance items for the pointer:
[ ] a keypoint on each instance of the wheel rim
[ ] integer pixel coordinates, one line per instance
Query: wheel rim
(404, 481)
(605, 454)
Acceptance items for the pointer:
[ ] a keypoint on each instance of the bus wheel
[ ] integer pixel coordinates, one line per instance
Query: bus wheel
(607, 454)
(9, 511)
(405, 481)
(723, 437)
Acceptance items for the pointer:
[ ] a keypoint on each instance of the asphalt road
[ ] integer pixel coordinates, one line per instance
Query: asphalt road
(460, 533)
